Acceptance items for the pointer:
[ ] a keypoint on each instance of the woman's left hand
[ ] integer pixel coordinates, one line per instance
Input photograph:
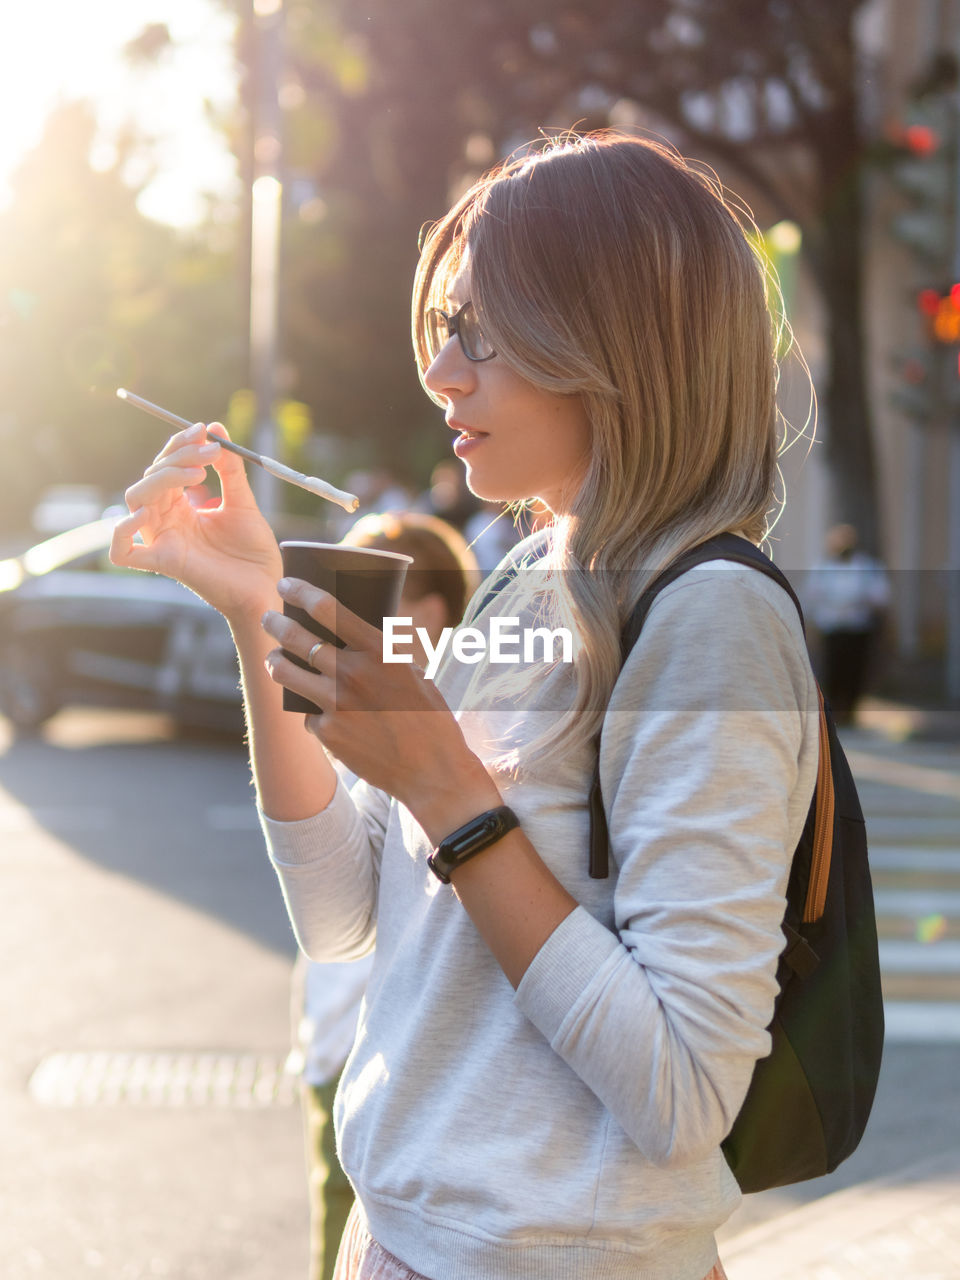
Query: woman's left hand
(385, 721)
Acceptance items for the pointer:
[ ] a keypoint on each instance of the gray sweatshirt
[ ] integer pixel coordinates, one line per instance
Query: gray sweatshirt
(571, 1130)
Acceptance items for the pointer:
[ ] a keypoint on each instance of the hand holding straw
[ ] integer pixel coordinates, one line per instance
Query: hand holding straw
(313, 484)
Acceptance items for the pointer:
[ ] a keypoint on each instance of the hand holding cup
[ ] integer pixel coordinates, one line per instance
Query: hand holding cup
(367, 582)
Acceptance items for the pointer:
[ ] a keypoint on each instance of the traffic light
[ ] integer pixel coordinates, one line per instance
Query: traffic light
(916, 391)
(919, 155)
(941, 312)
(922, 152)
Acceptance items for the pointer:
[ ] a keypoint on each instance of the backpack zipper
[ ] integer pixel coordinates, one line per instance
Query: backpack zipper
(822, 828)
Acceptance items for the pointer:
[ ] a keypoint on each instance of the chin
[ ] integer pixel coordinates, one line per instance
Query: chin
(490, 491)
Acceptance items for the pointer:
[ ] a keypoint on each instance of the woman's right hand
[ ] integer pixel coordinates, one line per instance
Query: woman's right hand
(228, 554)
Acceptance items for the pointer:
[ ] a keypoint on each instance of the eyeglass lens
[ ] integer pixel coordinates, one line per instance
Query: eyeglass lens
(466, 324)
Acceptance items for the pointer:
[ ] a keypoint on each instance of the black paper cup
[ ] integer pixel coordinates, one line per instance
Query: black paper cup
(365, 581)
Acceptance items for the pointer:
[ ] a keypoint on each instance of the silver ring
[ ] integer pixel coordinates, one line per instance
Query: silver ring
(313, 652)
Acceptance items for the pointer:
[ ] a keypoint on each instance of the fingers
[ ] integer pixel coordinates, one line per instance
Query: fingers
(234, 480)
(318, 655)
(330, 613)
(161, 490)
(124, 550)
(124, 532)
(181, 463)
(313, 685)
(313, 657)
(189, 448)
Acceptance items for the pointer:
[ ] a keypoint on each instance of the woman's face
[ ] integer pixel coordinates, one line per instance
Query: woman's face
(515, 440)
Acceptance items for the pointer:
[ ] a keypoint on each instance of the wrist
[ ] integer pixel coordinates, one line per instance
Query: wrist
(458, 797)
(244, 620)
(471, 839)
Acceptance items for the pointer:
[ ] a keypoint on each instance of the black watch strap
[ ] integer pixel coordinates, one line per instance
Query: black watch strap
(470, 839)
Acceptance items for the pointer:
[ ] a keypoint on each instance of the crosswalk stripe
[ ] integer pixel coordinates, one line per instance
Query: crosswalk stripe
(917, 902)
(906, 859)
(932, 1021)
(898, 956)
(893, 828)
(898, 773)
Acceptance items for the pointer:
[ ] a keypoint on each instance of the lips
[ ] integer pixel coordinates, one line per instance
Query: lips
(468, 433)
(467, 441)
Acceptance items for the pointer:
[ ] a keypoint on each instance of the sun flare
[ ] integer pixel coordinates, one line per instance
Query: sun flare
(56, 51)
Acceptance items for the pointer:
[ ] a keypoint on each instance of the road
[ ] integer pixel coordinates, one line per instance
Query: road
(148, 1127)
(143, 930)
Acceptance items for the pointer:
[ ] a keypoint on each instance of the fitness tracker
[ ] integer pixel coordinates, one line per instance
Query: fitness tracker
(470, 839)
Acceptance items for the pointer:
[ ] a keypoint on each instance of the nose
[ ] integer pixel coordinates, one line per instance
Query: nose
(450, 372)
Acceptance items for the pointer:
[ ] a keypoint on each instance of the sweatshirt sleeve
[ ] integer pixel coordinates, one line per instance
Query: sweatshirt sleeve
(329, 871)
(707, 768)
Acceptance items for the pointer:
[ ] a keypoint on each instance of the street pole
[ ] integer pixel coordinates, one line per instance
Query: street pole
(953, 428)
(910, 594)
(953, 565)
(267, 202)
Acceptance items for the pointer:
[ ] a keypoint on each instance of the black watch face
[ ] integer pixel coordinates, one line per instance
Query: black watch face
(470, 839)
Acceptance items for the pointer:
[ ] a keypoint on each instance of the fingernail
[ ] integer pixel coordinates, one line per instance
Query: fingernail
(208, 450)
(196, 430)
(284, 585)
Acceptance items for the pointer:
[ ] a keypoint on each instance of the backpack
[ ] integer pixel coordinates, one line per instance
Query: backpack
(809, 1100)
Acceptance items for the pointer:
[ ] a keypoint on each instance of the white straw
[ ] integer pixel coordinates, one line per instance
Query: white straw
(313, 484)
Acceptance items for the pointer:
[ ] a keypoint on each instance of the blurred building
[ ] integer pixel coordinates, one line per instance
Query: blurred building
(909, 52)
(914, 252)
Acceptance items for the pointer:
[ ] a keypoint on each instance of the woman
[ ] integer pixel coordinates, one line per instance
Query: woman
(547, 1063)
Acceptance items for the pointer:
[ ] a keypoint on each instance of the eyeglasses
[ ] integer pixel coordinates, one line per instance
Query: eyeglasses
(465, 323)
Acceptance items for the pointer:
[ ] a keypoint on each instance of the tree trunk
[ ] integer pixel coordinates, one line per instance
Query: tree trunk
(847, 428)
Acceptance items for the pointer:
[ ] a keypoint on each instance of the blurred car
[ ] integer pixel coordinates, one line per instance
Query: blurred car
(76, 629)
(62, 506)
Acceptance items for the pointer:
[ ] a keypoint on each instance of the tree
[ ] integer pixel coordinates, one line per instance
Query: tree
(391, 107)
(771, 90)
(92, 296)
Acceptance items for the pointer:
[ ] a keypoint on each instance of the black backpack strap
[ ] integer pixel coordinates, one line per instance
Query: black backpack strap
(725, 546)
(505, 576)
(501, 580)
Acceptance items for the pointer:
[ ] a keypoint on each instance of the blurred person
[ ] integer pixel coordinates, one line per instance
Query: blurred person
(448, 495)
(847, 597)
(327, 997)
(546, 1063)
(491, 529)
(377, 489)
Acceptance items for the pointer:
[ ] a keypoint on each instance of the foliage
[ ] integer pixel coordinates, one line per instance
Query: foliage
(391, 109)
(94, 296)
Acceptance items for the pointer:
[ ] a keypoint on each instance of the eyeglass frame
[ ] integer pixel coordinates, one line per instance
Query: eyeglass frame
(453, 323)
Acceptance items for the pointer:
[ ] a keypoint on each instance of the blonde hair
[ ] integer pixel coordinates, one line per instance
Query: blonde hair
(608, 267)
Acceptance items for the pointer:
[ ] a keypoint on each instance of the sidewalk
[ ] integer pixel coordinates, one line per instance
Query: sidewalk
(902, 722)
(905, 1225)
